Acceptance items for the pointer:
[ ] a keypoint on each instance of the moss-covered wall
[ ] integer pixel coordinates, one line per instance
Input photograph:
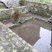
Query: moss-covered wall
(41, 1)
(4, 14)
(40, 9)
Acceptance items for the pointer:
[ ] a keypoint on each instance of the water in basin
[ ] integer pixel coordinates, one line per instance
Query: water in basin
(30, 31)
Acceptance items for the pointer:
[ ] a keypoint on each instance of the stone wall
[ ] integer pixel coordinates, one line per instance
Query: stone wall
(10, 3)
(40, 9)
(11, 42)
(6, 13)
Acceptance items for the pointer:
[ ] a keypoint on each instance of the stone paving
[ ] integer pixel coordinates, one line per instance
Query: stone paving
(11, 42)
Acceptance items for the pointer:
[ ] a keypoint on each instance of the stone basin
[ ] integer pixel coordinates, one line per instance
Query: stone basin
(30, 31)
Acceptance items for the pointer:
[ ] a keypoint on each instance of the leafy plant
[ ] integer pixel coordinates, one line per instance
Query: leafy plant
(22, 2)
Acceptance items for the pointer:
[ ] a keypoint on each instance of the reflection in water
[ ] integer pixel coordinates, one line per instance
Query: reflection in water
(43, 44)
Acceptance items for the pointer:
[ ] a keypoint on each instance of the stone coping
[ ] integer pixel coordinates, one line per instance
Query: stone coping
(11, 42)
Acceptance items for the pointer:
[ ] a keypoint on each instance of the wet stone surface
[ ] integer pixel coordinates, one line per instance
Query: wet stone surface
(10, 42)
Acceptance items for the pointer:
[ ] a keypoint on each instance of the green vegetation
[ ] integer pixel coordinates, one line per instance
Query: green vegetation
(1, 6)
(22, 2)
(3, 18)
(41, 9)
(46, 1)
(4, 15)
(42, 1)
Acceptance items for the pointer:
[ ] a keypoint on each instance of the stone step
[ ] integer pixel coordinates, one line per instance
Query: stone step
(9, 24)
